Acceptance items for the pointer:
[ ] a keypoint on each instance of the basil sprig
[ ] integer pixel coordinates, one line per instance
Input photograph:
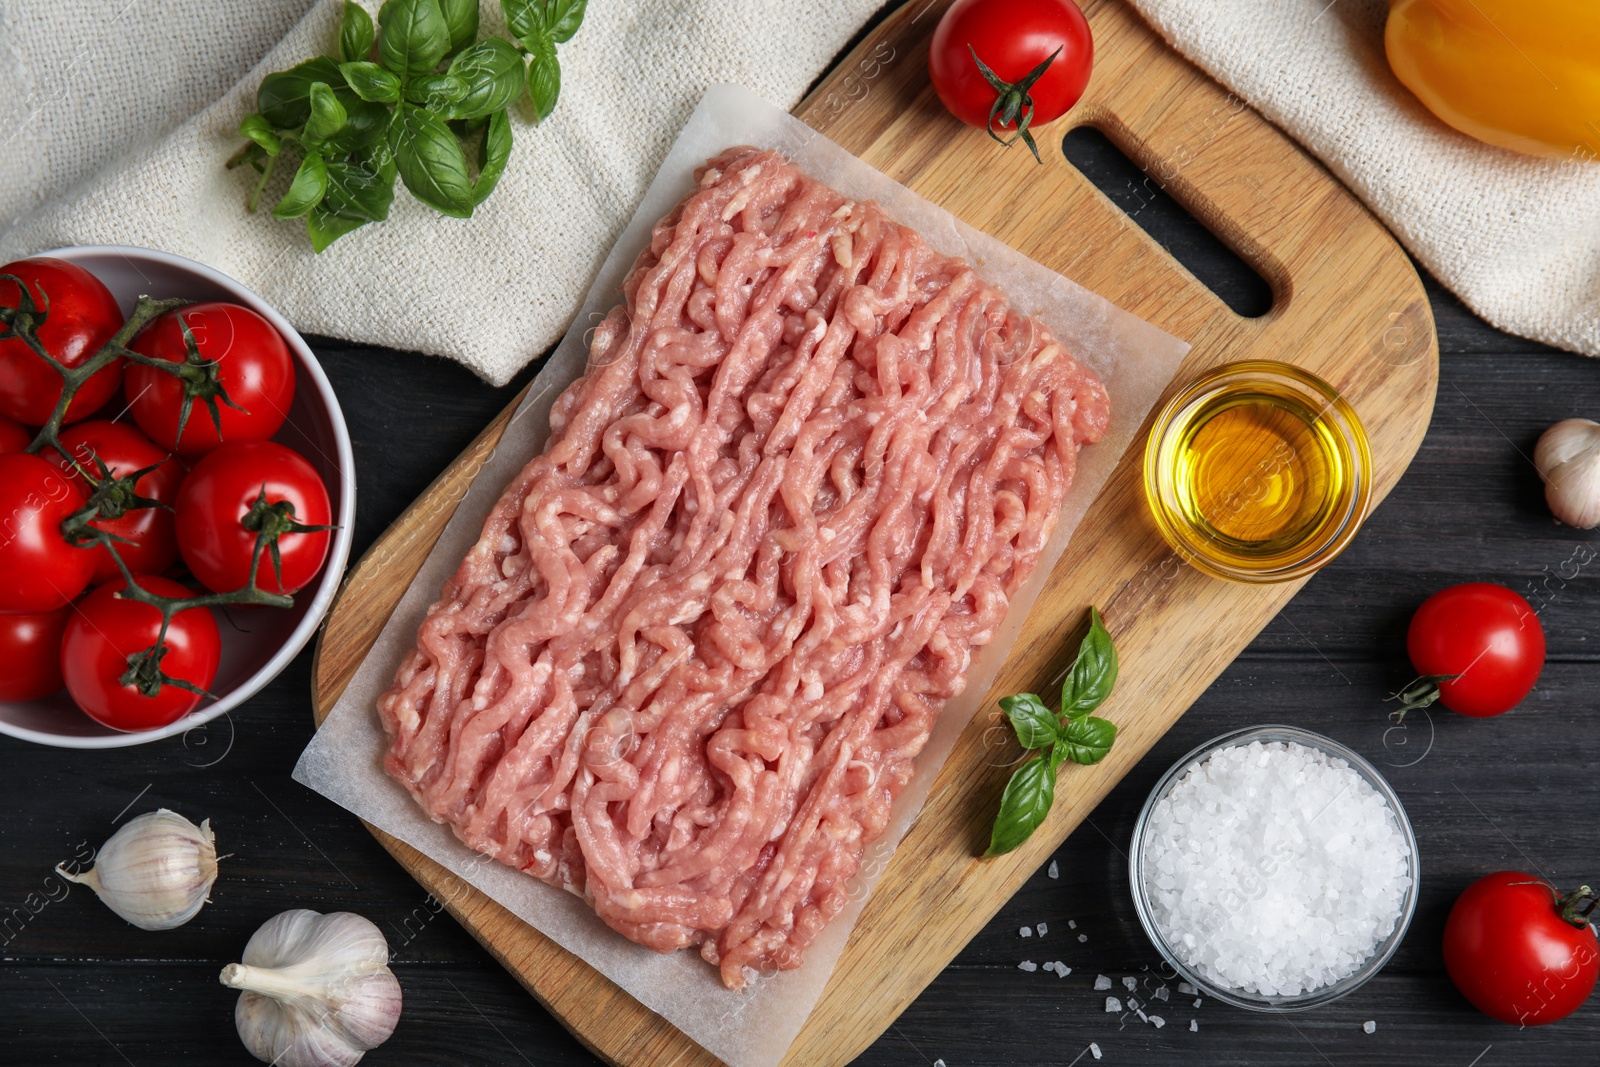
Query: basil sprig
(406, 98)
(1074, 735)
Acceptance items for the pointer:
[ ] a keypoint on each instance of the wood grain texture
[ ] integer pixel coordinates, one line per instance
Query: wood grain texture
(1347, 304)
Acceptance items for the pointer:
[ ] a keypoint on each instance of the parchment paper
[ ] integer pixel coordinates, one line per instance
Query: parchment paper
(344, 762)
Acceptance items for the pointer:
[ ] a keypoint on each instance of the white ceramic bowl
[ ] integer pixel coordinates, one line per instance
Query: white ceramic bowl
(259, 642)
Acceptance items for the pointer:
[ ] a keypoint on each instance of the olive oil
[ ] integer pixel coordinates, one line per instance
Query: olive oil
(1258, 471)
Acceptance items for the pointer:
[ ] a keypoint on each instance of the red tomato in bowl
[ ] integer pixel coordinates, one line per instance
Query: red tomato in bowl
(81, 315)
(14, 437)
(217, 499)
(30, 654)
(1483, 642)
(39, 570)
(150, 540)
(1518, 951)
(105, 632)
(1012, 37)
(240, 354)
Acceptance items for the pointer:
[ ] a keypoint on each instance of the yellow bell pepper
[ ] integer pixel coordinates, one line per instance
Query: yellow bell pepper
(1521, 74)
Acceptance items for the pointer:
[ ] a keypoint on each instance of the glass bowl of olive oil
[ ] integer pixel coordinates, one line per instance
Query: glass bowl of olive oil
(1258, 471)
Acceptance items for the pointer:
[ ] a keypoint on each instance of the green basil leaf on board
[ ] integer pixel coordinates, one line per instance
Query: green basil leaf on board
(259, 130)
(1034, 723)
(306, 191)
(1024, 805)
(1085, 740)
(544, 75)
(461, 17)
(284, 98)
(371, 82)
(328, 116)
(492, 156)
(492, 73)
(524, 17)
(365, 122)
(356, 33)
(565, 16)
(436, 92)
(1093, 674)
(431, 161)
(359, 192)
(412, 36)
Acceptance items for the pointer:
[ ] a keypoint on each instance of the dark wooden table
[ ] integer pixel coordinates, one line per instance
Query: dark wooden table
(81, 987)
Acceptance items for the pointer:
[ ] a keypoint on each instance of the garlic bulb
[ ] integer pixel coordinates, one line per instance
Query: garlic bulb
(1568, 458)
(156, 872)
(318, 991)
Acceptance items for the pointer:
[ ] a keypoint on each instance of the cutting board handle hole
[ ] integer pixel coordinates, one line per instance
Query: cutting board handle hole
(1144, 199)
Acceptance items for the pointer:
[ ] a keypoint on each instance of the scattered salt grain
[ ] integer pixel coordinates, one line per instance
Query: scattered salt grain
(1102, 983)
(1274, 868)
(1028, 965)
(1370, 1026)
(1062, 969)
(1142, 1016)
(1042, 929)
(1083, 937)
(1113, 1005)
(1055, 871)
(1197, 1002)
(1186, 989)
(1094, 1050)
(1026, 931)
(1157, 1021)
(1133, 1004)
(938, 1063)
(1161, 994)
(1194, 1027)
(1072, 924)
(1130, 983)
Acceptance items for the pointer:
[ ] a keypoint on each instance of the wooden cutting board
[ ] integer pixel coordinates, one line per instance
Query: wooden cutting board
(1347, 305)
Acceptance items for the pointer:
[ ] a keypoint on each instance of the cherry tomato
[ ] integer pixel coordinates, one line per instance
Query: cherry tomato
(150, 540)
(106, 634)
(1520, 951)
(240, 354)
(1483, 645)
(39, 570)
(81, 315)
(1012, 37)
(14, 437)
(220, 494)
(30, 654)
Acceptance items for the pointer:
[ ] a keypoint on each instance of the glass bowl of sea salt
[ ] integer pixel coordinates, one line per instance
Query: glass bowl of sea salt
(1274, 869)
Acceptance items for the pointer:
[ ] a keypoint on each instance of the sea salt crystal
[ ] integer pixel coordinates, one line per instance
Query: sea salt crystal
(1161, 994)
(1197, 1002)
(1028, 965)
(1130, 983)
(1042, 929)
(1194, 1027)
(1113, 1005)
(1274, 868)
(1026, 931)
(1142, 1016)
(938, 1063)
(1102, 983)
(1186, 989)
(1157, 1021)
(1370, 1026)
(1055, 871)
(1062, 969)
(1094, 1050)
(1072, 924)
(1083, 937)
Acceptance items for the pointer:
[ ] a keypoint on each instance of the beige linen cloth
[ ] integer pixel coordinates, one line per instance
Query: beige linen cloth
(1517, 238)
(116, 117)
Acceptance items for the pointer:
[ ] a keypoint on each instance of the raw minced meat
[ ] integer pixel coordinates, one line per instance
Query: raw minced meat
(688, 665)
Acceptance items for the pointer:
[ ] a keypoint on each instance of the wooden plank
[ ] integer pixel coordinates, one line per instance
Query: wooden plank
(1348, 305)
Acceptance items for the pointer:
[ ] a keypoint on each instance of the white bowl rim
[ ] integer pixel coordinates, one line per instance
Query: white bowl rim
(338, 552)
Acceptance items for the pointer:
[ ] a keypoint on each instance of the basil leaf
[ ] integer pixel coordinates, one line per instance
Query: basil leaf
(325, 227)
(492, 73)
(431, 161)
(565, 16)
(306, 191)
(328, 116)
(461, 17)
(1024, 805)
(371, 82)
(365, 124)
(1093, 674)
(492, 156)
(1035, 724)
(1085, 740)
(259, 130)
(436, 92)
(412, 37)
(524, 17)
(544, 75)
(284, 98)
(355, 33)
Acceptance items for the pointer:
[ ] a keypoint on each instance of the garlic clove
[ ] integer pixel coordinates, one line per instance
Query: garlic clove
(1568, 458)
(156, 872)
(316, 990)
